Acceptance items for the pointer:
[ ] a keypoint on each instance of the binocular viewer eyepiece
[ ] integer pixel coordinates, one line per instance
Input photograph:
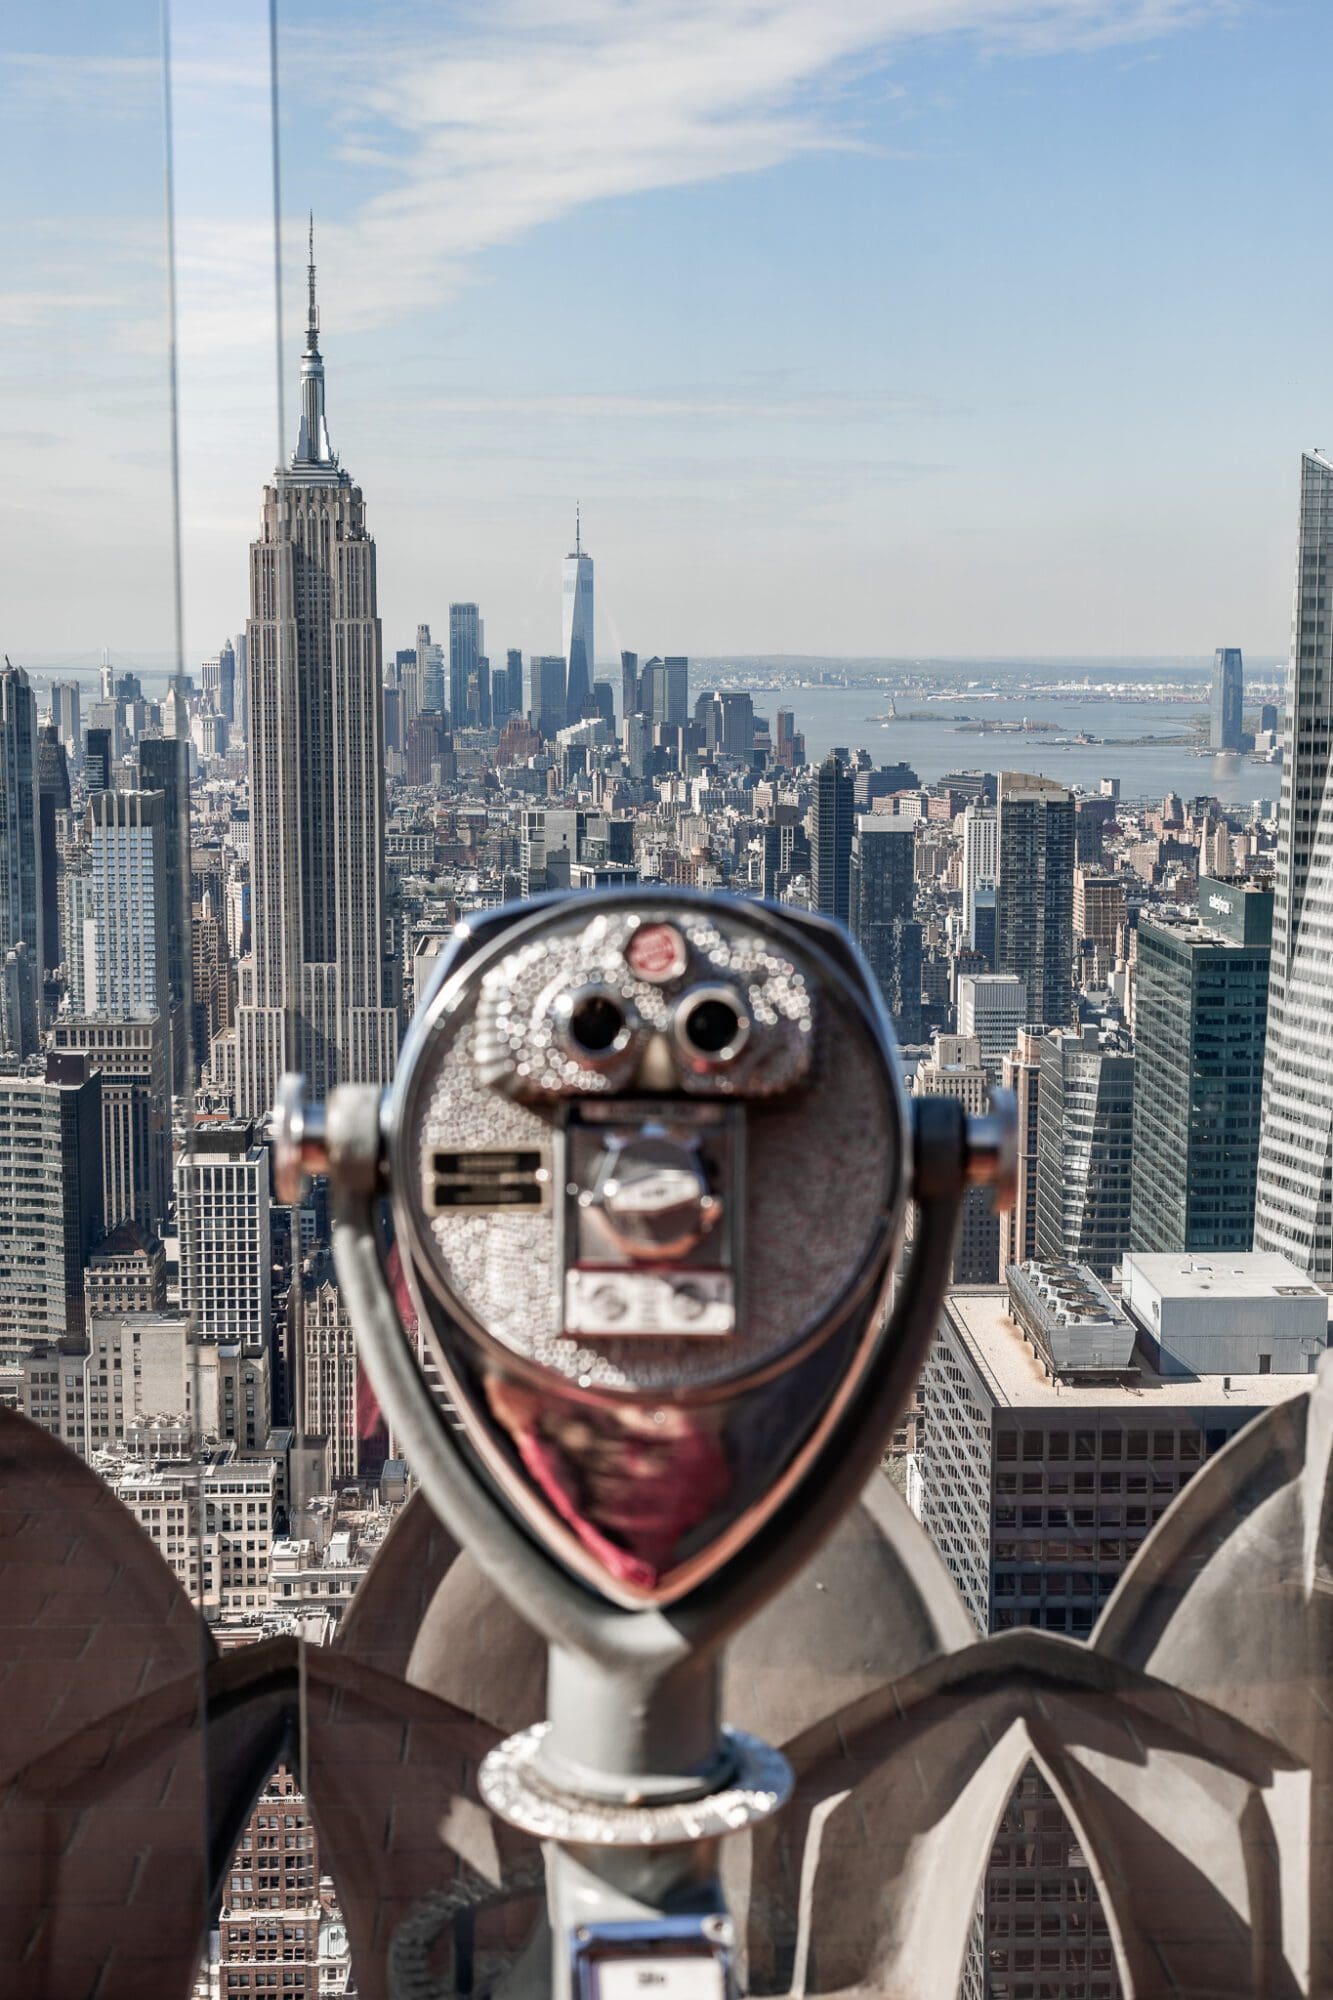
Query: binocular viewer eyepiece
(649, 1157)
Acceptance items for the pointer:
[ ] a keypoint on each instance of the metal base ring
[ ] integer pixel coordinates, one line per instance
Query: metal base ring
(512, 1786)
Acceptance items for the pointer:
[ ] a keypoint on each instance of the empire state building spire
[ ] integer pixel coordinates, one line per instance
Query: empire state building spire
(312, 446)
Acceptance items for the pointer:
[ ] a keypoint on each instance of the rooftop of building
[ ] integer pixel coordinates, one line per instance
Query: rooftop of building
(1018, 1380)
(1235, 1274)
(127, 1239)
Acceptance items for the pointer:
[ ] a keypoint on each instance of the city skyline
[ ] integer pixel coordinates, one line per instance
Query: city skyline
(1017, 293)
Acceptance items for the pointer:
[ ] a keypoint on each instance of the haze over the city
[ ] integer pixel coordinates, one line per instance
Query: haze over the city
(917, 326)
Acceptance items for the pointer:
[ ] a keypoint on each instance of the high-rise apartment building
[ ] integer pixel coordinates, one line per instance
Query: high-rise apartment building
(548, 706)
(1200, 1019)
(1034, 908)
(128, 979)
(164, 766)
(469, 699)
(881, 897)
(576, 625)
(136, 1128)
(53, 798)
(1100, 909)
(1085, 1140)
(500, 708)
(227, 681)
(98, 757)
(664, 691)
(832, 818)
(1227, 712)
(992, 1006)
(50, 1201)
(955, 1069)
(242, 702)
(66, 713)
(514, 675)
(271, 1910)
(315, 987)
(226, 1244)
(1020, 1071)
(630, 699)
(21, 888)
(1293, 1210)
(328, 1367)
(980, 861)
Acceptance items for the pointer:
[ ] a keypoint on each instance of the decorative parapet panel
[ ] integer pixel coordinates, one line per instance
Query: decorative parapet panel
(1188, 1742)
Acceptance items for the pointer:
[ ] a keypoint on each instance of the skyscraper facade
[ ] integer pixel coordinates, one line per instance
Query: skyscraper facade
(1293, 1210)
(20, 859)
(164, 766)
(992, 1006)
(52, 799)
(514, 675)
(469, 701)
(629, 685)
(980, 833)
(129, 978)
(226, 1248)
(313, 989)
(1085, 1138)
(1034, 904)
(136, 1126)
(881, 898)
(832, 820)
(50, 1201)
(66, 715)
(1200, 1016)
(955, 1070)
(1020, 1071)
(576, 625)
(1227, 712)
(549, 707)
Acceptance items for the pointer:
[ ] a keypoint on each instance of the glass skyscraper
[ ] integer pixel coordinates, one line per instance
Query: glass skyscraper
(831, 824)
(881, 896)
(1200, 1013)
(577, 626)
(1294, 1196)
(1228, 705)
(469, 681)
(1034, 900)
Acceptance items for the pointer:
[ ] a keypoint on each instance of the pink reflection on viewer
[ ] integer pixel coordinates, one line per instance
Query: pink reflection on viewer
(630, 1482)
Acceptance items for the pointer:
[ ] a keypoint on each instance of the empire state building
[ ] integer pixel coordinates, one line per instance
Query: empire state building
(314, 989)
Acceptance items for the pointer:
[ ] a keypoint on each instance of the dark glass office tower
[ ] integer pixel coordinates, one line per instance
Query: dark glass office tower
(831, 826)
(1034, 901)
(1228, 706)
(881, 897)
(1201, 1014)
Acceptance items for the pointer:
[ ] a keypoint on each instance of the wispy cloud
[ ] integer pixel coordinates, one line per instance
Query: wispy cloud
(486, 124)
(474, 125)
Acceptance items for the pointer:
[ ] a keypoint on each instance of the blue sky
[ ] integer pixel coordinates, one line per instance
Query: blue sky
(893, 327)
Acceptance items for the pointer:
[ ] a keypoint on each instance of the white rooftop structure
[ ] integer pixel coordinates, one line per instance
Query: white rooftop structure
(1234, 1312)
(1017, 1378)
